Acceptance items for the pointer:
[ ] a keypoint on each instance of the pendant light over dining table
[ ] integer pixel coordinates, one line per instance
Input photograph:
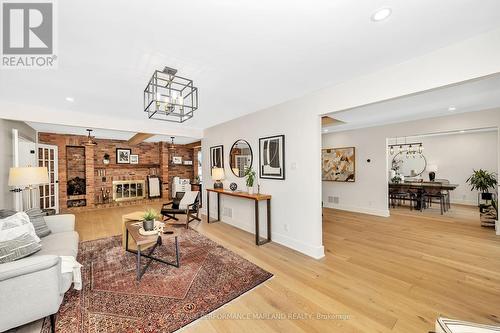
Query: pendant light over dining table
(170, 97)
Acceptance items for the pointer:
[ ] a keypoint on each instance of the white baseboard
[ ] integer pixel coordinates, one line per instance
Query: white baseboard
(316, 252)
(356, 209)
(464, 202)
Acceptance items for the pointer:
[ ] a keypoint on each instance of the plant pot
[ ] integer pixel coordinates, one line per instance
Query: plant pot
(250, 190)
(148, 225)
(486, 196)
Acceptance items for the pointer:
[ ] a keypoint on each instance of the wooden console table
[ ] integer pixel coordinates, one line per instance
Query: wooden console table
(256, 198)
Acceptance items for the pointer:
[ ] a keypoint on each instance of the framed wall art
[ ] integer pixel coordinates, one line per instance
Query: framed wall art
(338, 164)
(272, 157)
(123, 156)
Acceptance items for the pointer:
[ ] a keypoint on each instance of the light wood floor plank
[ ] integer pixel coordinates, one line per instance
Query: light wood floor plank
(393, 274)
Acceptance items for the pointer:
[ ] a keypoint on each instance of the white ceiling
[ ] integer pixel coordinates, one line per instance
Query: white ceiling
(243, 55)
(104, 133)
(470, 96)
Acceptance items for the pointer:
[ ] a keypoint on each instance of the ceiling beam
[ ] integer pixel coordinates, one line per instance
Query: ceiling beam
(194, 145)
(325, 121)
(138, 138)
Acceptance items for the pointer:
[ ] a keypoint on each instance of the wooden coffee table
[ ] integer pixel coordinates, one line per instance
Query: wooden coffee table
(141, 241)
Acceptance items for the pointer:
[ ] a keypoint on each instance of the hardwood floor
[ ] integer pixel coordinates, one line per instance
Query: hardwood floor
(393, 274)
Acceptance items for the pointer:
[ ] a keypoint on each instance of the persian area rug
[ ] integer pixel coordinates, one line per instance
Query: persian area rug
(166, 299)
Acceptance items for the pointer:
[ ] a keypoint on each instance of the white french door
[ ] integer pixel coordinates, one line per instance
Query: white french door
(49, 193)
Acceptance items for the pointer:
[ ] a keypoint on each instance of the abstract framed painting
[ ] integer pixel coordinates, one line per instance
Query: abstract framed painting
(217, 157)
(272, 157)
(338, 164)
(123, 156)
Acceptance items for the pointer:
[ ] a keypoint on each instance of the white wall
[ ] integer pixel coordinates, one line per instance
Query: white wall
(6, 161)
(456, 155)
(296, 209)
(369, 193)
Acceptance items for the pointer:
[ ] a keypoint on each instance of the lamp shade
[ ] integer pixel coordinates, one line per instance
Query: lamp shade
(217, 173)
(432, 168)
(26, 176)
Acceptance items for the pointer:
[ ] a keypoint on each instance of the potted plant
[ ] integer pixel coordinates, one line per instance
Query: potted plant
(148, 223)
(250, 179)
(106, 159)
(482, 181)
(396, 179)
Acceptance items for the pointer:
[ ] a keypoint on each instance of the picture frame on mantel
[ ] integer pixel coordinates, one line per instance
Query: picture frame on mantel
(123, 155)
(272, 157)
(217, 157)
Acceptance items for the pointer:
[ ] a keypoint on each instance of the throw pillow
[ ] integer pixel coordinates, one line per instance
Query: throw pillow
(6, 213)
(14, 226)
(18, 248)
(36, 217)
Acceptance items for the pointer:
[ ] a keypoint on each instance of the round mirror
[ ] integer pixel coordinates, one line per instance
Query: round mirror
(240, 157)
(409, 165)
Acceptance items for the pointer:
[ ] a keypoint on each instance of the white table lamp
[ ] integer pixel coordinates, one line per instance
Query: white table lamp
(28, 177)
(218, 175)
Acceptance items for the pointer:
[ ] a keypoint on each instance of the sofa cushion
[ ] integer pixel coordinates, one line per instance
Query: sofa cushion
(60, 244)
(36, 218)
(16, 225)
(18, 248)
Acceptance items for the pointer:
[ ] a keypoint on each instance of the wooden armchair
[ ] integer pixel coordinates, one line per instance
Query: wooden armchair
(185, 203)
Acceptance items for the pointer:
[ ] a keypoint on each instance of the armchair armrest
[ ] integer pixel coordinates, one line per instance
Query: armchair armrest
(60, 223)
(27, 265)
(167, 204)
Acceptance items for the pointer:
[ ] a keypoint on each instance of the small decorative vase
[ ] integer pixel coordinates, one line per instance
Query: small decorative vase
(106, 162)
(148, 225)
(250, 190)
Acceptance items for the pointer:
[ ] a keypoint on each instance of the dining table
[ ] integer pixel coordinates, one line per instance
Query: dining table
(421, 188)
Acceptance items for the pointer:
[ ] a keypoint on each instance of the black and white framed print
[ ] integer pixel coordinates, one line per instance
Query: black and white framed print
(217, 157)
(123, 156)
(272, 157)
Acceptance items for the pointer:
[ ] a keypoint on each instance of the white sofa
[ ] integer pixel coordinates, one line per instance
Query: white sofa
(33, 287)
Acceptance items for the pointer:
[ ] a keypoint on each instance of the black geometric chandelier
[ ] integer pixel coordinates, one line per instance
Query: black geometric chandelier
(170, 97)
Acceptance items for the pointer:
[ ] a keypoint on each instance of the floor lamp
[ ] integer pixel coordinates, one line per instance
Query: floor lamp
(28, 178)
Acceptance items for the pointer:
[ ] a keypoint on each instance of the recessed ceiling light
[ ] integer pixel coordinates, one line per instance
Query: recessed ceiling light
(70, 99)
(452, 108)
(381, 14)
(462, 131)
(325, 130)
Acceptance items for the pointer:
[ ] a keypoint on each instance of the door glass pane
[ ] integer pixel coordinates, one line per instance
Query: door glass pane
(119, 191)
(52, 165)
(40, 153)
(41, 203)
(52, 189)
(47, 203)
(52, 177)
(52, 201)
(47, 189)
(52, 154)
(40, 189)
(126, 191)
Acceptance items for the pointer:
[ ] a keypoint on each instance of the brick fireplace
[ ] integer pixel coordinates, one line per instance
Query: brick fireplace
(82, 166)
